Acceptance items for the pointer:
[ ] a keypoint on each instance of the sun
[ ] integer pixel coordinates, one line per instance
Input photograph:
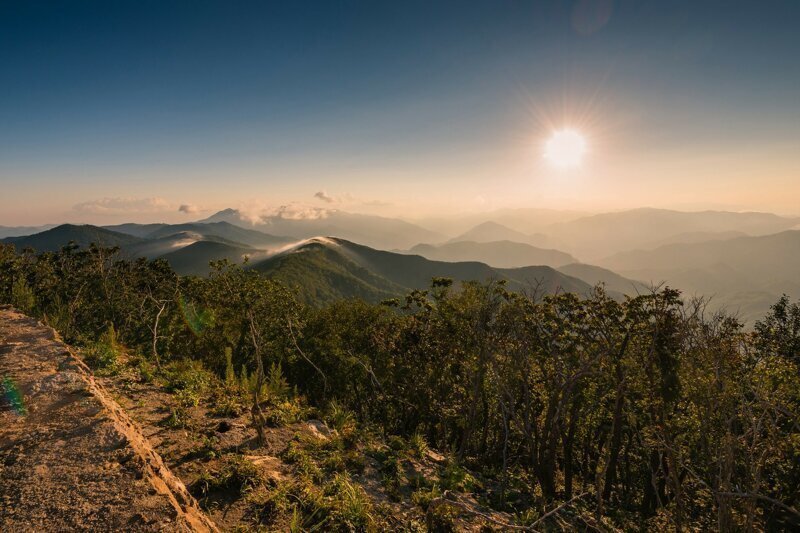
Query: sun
(565, 148)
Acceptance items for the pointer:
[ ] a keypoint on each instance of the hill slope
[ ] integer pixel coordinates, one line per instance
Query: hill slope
(54, 239)
(602, 235)
(750, 272)
(223, 230)
(595, 275)
(371, 230)
(321, 274)
(492, 231)
(338, 268)
(194, 259)
(502, 254)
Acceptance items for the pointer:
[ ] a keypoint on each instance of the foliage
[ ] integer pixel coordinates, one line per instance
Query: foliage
(233, 474)
(661, 415)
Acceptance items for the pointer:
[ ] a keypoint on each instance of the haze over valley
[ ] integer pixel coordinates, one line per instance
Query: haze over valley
(741, 262)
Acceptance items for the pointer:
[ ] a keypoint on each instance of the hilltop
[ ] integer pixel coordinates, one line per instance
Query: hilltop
(326, 269)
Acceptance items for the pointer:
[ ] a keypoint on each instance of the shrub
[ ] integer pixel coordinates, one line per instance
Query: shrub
(351, 508)
(234, 474)
(303, 462)
(187, 375)
(103, 353)
(339, 418)
(22, 296)
(417, 445)
(424, 496)
(442, 518)
(455, 477)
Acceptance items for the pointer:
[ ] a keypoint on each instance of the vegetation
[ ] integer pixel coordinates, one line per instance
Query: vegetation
(645, 412)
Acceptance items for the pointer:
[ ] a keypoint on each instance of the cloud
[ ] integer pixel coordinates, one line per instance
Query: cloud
(189, 209)
(325, 197)
(376, 203)
(297, 211)
(123, 206)
(347, 199)
(257, 213)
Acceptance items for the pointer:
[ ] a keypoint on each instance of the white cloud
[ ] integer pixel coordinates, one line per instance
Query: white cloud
(123, 206)
(189, 209)
(325, 197)
(347, 199)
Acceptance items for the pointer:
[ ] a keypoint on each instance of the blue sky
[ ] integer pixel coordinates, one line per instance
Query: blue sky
(398, 107)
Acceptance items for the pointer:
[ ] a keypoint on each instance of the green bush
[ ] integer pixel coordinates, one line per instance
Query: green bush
(103, 353)
(234, 474)
(187, 375)
(22, 296)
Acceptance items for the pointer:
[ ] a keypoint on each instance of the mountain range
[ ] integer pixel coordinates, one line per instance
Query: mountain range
(599, 236)
(504, 254)
(325, 269)
(745, 261)
(380, 232)
(322, 269)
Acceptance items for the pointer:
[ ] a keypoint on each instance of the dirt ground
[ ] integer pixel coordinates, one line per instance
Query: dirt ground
(70, 457)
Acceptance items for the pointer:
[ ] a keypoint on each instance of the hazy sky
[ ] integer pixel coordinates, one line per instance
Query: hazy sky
(128, 110)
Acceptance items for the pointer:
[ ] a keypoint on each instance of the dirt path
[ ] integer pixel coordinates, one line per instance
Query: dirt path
(70, 457)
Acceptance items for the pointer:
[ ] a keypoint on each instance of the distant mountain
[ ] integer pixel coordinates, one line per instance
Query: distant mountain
(137, 230)
(763, 257)
(599, 236)
(697, 236)
(502, 254)
(595, 275)
(54, 239)
(188, 252)
(493, 232)
(194, 259)
(19, 231)
(321, 274)
(371, 230)
(766, 265)
(524, 220)
(224, 230)
(157, 247)
(330, 268)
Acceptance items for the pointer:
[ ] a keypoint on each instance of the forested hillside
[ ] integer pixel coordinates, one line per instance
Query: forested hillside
(556, 412)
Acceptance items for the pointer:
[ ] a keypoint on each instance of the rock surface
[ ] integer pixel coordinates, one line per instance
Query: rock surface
(70, 457)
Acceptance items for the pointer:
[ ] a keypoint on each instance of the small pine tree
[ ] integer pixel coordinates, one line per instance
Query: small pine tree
(277, 386)
(22, 296)
(244, 379)
(230, 374)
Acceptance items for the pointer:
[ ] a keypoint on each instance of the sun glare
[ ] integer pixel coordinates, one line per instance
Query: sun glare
(565, 149)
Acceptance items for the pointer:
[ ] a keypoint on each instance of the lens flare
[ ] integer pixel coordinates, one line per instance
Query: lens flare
(196, 320)
(13, 397)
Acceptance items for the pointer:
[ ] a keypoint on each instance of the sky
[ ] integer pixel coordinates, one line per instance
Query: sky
(167, 110)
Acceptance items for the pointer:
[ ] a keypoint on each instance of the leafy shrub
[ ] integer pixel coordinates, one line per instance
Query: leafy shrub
(304, 464)
(351, 509)
(227, 404)
(339, 417)
(187, 375)
(277, 386)
(456, 477)
(22, 296)
(442, 518)
(285, 413)
(146, 370)
(103, 353)
(178, 418)
(234, 474)
(417, 445)
(424, 496)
